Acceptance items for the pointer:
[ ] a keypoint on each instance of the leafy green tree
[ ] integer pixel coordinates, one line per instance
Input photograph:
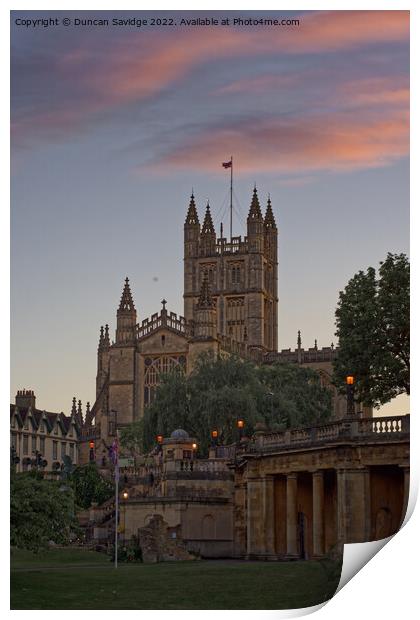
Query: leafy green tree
(132, 437)
(292, 396)
(40, 512)
(222, 390)
(89, 486)
(373, 327)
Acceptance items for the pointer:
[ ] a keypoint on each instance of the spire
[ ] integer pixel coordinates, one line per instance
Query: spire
(207, 222)
(255, 210)
(79, 410)
(101, 337)
(299, 340)
(73, 407)
(192, 216)
(205, 300)
(107, 341)
(87, 410)
(126, 302)
(316, 345)
(269, 221)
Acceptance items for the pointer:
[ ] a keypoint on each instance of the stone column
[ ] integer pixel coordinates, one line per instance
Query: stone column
(318, 513)
(260, 516)
(291, 522)
(406, 493)
(254, 521)
(268, 509)
(353, 505)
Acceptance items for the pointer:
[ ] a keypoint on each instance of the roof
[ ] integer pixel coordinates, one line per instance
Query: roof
(37, 415)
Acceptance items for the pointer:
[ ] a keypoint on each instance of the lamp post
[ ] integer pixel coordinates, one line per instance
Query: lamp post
(350, 395)
(122, 525)
(214, 436)
(240, 426)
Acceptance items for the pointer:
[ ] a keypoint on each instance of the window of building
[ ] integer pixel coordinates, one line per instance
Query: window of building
(186, 454)
(25, 444)
(154, 368)
(71, 446)
(55, 450)
(33, 443)
(26, 423)
(13, 440)
(63, 450)
(42, 445)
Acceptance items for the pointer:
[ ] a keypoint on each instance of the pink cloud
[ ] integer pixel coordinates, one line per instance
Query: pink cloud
(139, 67)
(375, 91)
(259, 84)
(334, 142)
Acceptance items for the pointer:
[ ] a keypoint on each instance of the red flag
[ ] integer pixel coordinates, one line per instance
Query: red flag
(227, 164)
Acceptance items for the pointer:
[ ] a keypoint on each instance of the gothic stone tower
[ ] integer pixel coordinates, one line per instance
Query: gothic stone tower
(122, 360)
(241, 274)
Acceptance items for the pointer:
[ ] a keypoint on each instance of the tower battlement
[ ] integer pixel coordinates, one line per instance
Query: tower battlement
(241, 274)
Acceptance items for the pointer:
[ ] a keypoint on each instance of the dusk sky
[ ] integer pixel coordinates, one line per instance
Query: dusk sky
(113, 126)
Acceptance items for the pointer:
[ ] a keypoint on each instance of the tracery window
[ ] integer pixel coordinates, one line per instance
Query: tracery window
(235, 317)
(154, 367)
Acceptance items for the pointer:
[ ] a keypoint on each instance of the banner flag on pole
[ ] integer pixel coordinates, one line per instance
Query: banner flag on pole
(227, 164)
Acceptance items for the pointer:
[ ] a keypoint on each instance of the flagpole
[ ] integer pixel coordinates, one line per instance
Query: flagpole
(117, 477)
(231, 195)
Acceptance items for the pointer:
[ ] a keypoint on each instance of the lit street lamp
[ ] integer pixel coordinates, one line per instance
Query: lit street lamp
(350, 395)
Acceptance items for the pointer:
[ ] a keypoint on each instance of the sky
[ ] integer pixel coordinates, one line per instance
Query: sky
(113, 126)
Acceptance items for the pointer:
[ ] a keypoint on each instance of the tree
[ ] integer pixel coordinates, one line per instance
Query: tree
(40, 512)
(373, 327)
(132, 437)
(89, 486)
(221, 390)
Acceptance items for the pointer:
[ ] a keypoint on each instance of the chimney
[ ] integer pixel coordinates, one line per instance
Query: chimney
(25, 398)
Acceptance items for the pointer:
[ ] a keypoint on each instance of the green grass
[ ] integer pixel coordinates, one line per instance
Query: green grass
(75, 583)
(55, 557)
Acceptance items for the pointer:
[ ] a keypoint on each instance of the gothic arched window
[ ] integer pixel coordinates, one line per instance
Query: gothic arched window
(154, 368)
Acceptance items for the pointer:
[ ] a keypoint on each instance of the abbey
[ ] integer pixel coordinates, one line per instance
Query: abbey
(230, 307)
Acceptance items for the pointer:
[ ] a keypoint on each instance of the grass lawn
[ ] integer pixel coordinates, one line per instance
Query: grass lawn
(72, 579)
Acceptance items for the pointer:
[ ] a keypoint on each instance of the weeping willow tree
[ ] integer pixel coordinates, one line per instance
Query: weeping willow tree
(222, 390)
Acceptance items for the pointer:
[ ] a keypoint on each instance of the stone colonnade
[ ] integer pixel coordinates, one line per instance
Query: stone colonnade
(337, 503)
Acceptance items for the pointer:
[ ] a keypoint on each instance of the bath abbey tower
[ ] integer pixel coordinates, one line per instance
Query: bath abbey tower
(230, 307)
(242, 275)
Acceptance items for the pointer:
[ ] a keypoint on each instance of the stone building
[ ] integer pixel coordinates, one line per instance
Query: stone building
(230, 306)
(299, 493)
(194, 497)
(38, 432)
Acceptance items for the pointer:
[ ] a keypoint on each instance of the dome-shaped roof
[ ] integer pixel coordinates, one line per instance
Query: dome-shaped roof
(179, 433)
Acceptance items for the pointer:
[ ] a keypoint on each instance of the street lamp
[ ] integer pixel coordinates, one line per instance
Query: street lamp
(350, 394)
(125, 495)
(214, 435)
(240, 425)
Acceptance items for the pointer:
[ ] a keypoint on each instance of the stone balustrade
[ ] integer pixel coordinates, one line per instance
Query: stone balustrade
(163, 319)
(353, 429)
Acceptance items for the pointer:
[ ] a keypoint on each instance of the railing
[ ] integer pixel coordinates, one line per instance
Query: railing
(236, 246)
(348, 429)
(302, 356)
(164, 319)
(208, 466)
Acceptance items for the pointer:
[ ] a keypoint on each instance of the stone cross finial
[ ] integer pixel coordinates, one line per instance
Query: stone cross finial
(164, 302)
